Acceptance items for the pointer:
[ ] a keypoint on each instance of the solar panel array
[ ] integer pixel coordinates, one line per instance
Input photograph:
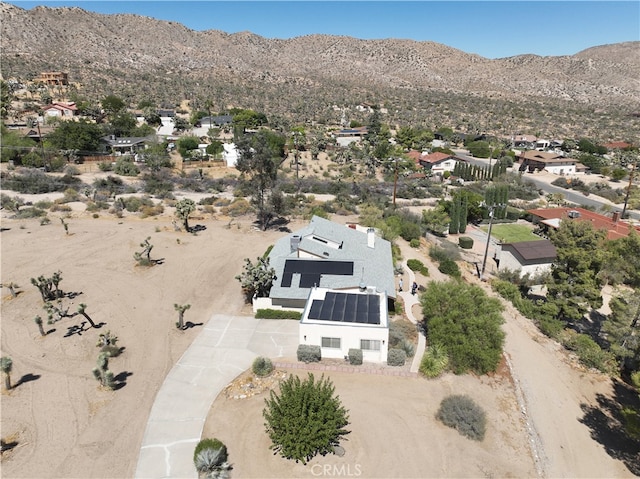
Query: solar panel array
(347, 307)
(311, 271)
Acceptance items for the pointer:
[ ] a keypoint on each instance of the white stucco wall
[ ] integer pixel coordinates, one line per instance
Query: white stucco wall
(561, 169)
(509, 262)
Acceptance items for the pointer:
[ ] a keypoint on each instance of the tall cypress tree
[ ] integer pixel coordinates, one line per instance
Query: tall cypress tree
(454, 225)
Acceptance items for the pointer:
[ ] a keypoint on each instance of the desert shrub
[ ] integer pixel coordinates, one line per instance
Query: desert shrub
(238, 207)
(105, 166)
(60, 207)
(408, 347)
(434, 362)
(414, 243)
(124, 166)
(209, 444)
(308, 353)
(278, 314)
(550, 327)
(417, 265)
(396, 357)
(94, 206)
(355, 356)
(262, 366)
(70, 195)
(399, 331)
(32, 212)
(450, 268)
(588, 351)
(135, 203)
(446, 251)
(43, 204)
(151, 210)
(71, 170)
(35, 182)
(463, 414)
(465, 242)
(208, 201)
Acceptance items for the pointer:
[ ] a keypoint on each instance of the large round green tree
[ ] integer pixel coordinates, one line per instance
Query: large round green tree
(305, 419)
(465, 322)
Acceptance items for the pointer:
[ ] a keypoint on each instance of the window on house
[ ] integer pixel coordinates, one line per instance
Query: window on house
(331, 343)
(370, 344)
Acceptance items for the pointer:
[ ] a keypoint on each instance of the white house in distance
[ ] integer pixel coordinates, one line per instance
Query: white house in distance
(532, 257)
(230, 154)
(532, 160)
(338, 321)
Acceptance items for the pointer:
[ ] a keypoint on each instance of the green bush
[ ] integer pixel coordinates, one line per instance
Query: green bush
(447, 251)
(308, 353)
(449, 267)
(210, 444)
(588, 351)
(125, 167)
(434, 362)
(417, 265)
(396, 357)
(414, 243)
(33, 212)
(463, 414)
(278, 314)
(105, 166)
(262, 366)
(355, 357)
(465, 242)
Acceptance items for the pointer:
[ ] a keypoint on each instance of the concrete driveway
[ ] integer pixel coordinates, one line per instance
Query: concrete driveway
(225, 348)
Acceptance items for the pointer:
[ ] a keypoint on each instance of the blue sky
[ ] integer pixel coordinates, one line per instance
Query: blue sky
(493, 29)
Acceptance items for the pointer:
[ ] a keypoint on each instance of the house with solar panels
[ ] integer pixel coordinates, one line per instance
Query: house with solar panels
(342, 278)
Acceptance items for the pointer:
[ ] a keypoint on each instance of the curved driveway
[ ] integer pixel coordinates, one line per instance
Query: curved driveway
(224, 349)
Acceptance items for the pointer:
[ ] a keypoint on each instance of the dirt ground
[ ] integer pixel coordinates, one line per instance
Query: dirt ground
(61, 424)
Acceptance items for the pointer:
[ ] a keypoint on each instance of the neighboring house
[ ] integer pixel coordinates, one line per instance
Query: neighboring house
(524, 141)
(202, 127)
(329, 255)
(53, 78)
(347, 136)
(230, 154)
(617, 145)
(533, 257)
(338, 321)
(123, 146)
(436, 163)
(60, 109)
(548, 218)
(532, 160)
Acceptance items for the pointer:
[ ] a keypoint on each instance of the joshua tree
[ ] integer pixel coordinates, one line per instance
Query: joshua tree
(181, 308)
(65, 225)
(102, 373)
(55, 313)
(107, 344)
(184, 208)
(81, 310)
(46, 286)
(38, 321)
(12, 288)
(144, 257)
(6, 364)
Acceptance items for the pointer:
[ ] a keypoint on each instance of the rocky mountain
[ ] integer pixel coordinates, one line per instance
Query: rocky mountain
(594, 92)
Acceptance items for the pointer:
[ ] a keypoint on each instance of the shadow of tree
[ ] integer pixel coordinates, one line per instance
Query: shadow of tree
(7, 446)
(121, 380)
(606, 422)
(189, 325)
(27, 378)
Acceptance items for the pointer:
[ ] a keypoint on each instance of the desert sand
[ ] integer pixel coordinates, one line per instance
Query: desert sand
(63, 425)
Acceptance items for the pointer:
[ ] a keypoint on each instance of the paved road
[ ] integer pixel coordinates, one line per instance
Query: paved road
(225, 348)
(545, 185)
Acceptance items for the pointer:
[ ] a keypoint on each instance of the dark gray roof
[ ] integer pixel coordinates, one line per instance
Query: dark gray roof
(532, 250)
(324, 242)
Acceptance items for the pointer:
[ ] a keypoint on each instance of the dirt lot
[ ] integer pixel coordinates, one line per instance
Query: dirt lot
(62, 425)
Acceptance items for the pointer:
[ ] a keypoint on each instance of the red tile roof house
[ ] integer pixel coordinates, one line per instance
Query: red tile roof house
(60, 109)
(437, 163)
(532, 160)
(617, 145)
(532, 257)
(551, 218)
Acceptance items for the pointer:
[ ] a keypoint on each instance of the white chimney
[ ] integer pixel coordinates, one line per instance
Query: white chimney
(371, 238)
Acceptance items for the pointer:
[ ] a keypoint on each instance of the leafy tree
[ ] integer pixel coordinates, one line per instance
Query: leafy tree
(259, 158)
(5, 100)
(436, 220)
(112, 104)
(247, 119)
(215, 148)
(479, 149)
(122, 123)
(466, 323)
(186, 144)
(181, 308)
(180, 124)
(184, 208)
(305, 419)
(14, 146)
(624, 258)
(575, 285)
(75, 135)
(621, 326)
(256, 279)
(6, 365)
